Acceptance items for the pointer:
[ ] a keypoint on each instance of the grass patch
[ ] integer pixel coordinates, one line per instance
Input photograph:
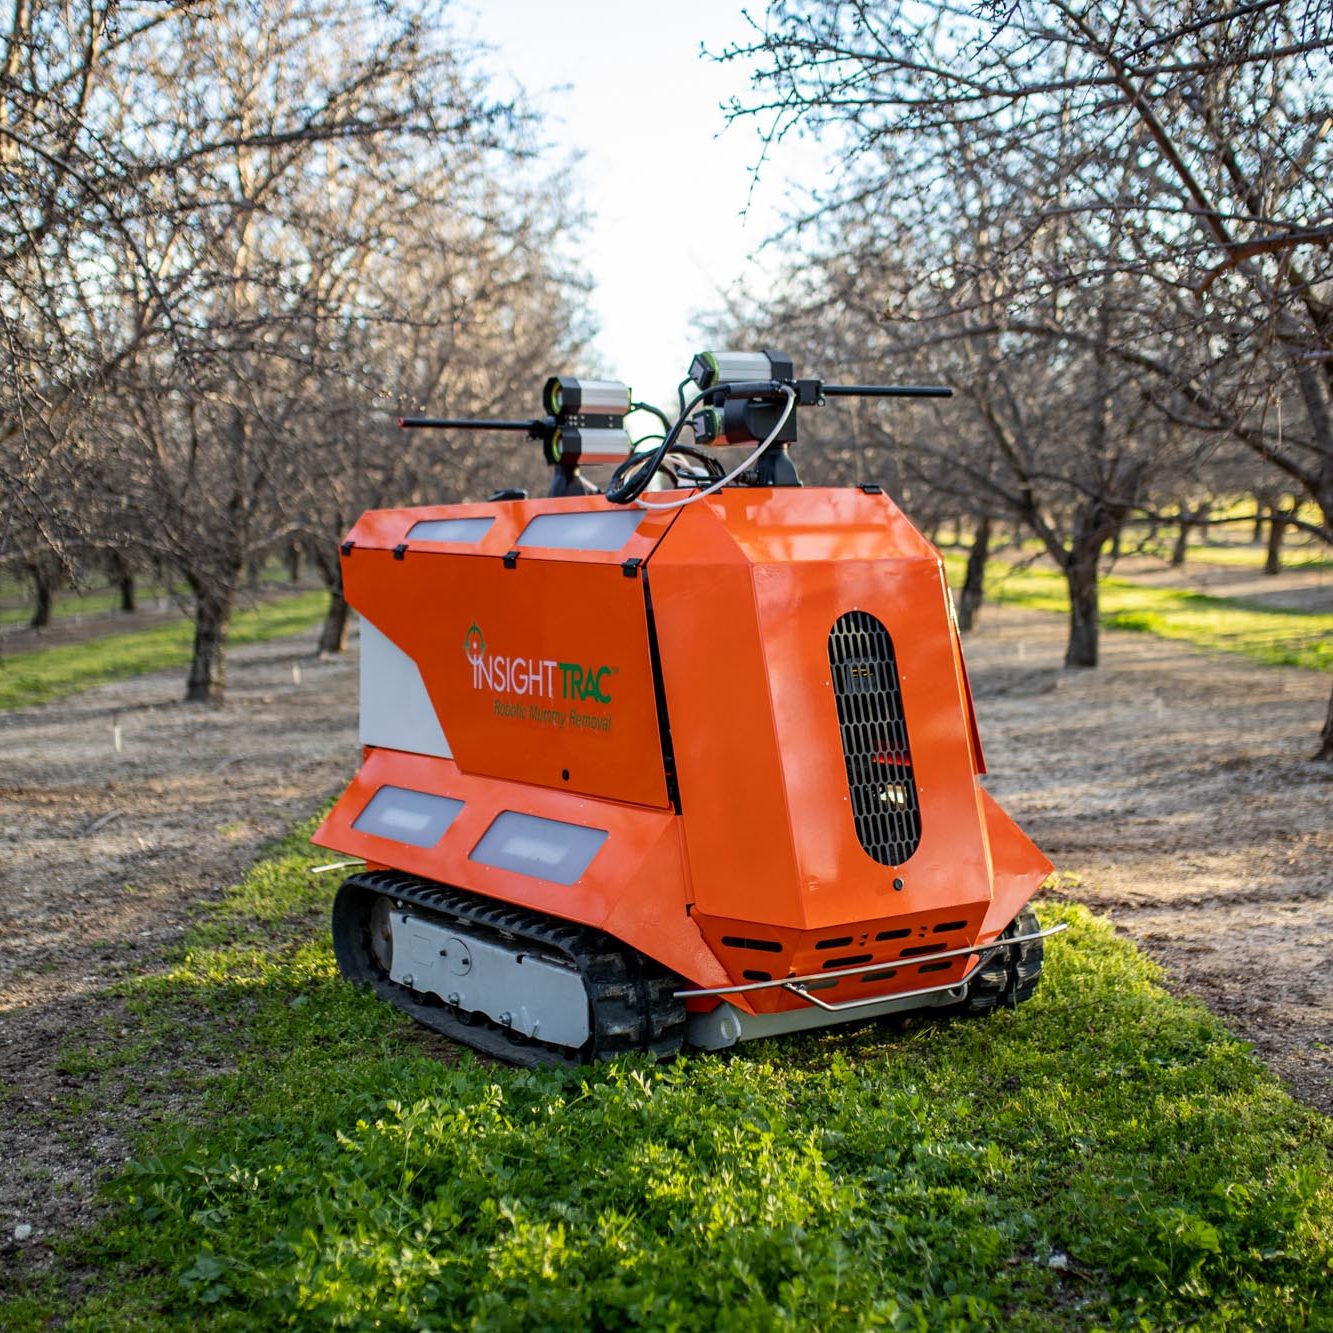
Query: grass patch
(49, 673)
(79, 604)
(1252, 557)
(1105, 1156)
(72, 602)
(1274, 637)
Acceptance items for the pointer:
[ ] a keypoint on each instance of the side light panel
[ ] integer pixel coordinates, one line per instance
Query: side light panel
(543, 848)
(583, 532)
(414, 817)
(470, 530)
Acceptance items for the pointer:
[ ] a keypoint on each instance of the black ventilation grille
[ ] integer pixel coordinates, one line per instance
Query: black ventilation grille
(885, 808)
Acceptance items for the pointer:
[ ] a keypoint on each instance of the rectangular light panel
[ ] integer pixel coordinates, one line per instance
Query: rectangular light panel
(413, 817)
(470, 530)
(583, 532)
(543, 848)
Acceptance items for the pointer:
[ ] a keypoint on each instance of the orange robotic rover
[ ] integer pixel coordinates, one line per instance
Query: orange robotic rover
(680, 765)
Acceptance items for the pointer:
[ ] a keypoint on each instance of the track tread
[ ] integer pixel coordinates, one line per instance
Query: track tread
(1008, 977)
(633, 1004)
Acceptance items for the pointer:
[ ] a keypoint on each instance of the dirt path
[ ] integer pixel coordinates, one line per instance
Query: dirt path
(107, 855)
(1175, 785)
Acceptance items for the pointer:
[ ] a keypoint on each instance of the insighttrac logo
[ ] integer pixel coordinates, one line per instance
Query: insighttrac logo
(533, 676)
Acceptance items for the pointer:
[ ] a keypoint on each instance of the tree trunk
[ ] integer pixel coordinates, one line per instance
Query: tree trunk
(208, 667)
(1277, 527)
(1325, 751)
(1081, 575)
(333, 636)
(43, 594)
(1258, 535)
(294, 560)
(974, 584)
(123, 577)
(1182, 539)
(254, 568)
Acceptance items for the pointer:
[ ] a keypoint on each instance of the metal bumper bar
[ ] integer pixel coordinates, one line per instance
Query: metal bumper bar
(798, 985)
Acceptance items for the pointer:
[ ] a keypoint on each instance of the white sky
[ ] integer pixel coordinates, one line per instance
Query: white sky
(666, 180)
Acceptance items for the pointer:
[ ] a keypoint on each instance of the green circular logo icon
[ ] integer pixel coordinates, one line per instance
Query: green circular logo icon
(474, 644)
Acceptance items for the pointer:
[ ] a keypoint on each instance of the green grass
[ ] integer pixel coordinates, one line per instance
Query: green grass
(1252, 557)
(49, 673)
(1104, 1156)
(71, 603)
(74, 604)
(1274, 637)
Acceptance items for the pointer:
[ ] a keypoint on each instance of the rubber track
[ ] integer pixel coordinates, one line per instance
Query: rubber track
(633, 1008)
(1009, 976)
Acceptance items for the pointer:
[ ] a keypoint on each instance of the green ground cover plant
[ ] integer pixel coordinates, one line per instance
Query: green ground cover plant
(1104, 1156)
(1270, 635)
(49, 673)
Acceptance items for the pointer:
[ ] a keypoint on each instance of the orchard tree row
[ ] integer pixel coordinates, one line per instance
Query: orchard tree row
(235, 241)
(1107, 223)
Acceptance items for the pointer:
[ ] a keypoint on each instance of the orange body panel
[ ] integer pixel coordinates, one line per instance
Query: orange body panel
(550, 632)
(642, 850)
(704, 737)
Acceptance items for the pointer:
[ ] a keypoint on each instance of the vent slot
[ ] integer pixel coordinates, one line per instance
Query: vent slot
(920, 949)
(893, 934)
(880, 976)
(885, 808)
(838, 942)
(946, 926)
(850, 961)
(934, 967)
(764, 946)
(753, 974)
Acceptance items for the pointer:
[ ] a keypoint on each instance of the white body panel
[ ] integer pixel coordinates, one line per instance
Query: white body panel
(396, 711)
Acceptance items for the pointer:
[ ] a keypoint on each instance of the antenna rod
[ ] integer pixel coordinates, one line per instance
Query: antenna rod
(465, 423)
(886, 391)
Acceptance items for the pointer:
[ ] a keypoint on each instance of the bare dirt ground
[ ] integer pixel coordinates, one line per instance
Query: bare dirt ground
(1174, 785)
(1177, 787)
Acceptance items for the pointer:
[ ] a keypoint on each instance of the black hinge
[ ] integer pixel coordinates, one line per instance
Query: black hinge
(872, 488)
(511, 560)
(400, 550)
(346, 547)
(630, 569)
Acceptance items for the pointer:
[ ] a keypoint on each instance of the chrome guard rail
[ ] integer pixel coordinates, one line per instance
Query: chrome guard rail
(797, 985)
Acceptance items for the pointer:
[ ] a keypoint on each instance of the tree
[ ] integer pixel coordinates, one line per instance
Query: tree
(1187, 147)
(207, 219)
